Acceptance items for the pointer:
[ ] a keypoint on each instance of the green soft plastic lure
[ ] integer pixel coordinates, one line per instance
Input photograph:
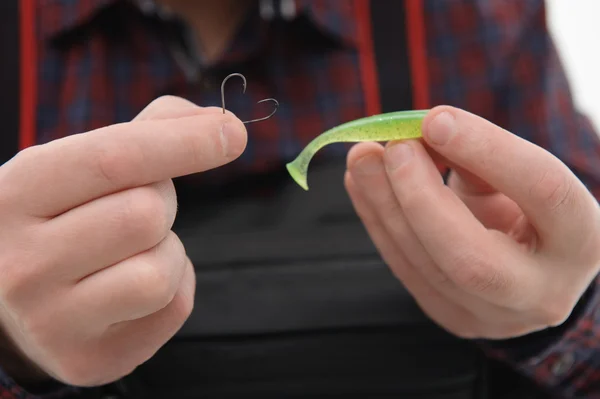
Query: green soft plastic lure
(398, 125)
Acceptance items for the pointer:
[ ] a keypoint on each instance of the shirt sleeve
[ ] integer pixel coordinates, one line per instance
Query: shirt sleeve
(537, 104)
(9, 389)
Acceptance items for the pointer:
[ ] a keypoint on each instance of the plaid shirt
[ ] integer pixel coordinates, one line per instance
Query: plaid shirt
(492, 57)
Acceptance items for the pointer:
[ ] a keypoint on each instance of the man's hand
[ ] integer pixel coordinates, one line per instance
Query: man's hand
(92, 279)
(507, 248)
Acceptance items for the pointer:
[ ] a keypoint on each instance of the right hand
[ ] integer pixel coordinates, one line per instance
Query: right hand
(92, 279)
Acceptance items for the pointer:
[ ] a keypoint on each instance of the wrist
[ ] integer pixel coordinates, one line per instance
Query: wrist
(527, 346)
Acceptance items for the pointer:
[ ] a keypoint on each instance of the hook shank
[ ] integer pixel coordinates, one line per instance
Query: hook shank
(243, 92)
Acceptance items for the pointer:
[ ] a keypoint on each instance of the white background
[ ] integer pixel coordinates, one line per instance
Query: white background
(575, 27)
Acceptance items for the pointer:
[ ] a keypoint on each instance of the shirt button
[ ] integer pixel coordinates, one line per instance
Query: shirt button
(563, 365)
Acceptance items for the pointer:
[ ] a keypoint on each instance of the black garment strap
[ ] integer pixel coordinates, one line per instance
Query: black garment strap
(9, 79)
(391, 53)
(257, 255)
(309, 243)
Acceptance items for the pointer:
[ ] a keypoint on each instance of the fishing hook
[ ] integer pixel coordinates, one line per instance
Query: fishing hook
(244, 91)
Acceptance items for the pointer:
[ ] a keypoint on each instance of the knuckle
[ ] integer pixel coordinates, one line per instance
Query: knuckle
(183, 306)
(154, 285)
(146, 211)
(110, 163)
(159, 105)
(27, 155)
(166, 106)
(554, 190)
(11, 176)
(476, 273)
(436, 275)
(390, 205)
(415, 199)
(165, 100)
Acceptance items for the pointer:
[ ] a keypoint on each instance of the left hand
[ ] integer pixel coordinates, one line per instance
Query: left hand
(505, 249)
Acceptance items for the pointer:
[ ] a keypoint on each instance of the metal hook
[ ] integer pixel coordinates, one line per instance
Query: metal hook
(244, 91)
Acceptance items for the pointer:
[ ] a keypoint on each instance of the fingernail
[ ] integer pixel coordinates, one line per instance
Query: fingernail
(398, 155)
(368, 165)
(232, 139)
(441, 128)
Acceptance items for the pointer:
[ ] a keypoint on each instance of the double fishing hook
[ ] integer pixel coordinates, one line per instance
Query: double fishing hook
(244, 91)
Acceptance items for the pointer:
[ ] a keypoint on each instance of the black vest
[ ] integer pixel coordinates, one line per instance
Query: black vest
(301, 305)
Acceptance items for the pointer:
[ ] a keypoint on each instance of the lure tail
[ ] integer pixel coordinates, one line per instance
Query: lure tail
(298, 168)
(298, 172)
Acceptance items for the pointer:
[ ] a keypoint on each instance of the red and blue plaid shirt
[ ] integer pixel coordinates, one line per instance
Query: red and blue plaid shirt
(492, 57)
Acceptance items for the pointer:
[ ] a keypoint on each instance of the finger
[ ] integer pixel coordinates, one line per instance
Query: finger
(548, 193)
(112, 228)
(476, 260)
(146, 335)
(124, 346)
(368, 172)
(68, 172)
(446, 313)
(132, 289)
(441, 163)
(365, 162)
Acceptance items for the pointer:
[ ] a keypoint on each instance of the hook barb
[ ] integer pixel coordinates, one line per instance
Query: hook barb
(243, 92)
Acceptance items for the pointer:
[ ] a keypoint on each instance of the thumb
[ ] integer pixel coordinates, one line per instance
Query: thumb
(551, 197)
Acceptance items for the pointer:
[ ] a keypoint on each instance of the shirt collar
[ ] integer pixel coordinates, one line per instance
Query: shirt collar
(332, 17)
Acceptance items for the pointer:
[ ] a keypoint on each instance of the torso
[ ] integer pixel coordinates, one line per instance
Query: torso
(373, 340)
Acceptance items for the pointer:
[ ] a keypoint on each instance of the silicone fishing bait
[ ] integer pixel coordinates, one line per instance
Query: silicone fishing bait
(398, 125)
